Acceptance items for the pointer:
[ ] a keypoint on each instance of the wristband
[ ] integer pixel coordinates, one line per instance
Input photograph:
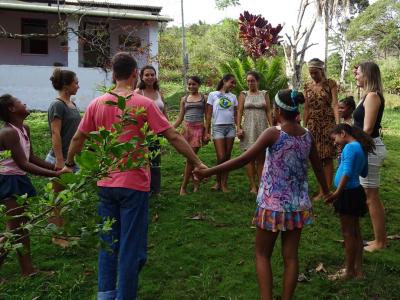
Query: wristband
(70, 165)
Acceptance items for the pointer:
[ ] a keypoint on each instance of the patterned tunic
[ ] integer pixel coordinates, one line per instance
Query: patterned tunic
(254, 118)
(284, 186)
(321, 118)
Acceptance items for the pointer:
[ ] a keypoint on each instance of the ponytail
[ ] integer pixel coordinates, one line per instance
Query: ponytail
(367, 143)
(223, 80)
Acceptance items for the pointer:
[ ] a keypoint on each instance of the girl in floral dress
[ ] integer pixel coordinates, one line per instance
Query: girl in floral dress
(283, 204)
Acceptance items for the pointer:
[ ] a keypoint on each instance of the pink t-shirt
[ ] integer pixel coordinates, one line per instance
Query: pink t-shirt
(99, 114)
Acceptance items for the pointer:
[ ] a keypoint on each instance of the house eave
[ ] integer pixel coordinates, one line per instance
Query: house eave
(84, 10)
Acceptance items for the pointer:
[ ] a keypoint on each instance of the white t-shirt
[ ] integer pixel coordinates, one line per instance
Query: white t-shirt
(223, 107)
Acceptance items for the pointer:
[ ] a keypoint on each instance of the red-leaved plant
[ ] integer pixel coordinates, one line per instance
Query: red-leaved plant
(257, 35)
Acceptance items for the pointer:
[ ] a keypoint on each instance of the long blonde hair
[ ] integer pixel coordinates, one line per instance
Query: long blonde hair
(372, 77)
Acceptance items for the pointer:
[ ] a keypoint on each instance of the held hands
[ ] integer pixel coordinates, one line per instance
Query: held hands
(206, 138)
(331, 196)
(201, 172)
(239, 133)
(65, 169)
(59, 164)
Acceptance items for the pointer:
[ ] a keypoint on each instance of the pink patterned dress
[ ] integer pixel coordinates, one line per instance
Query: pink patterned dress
(282, 201)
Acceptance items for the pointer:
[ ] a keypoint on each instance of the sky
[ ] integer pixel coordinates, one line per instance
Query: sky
(275, 11)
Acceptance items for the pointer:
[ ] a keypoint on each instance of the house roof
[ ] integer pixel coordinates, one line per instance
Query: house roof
(114, 9)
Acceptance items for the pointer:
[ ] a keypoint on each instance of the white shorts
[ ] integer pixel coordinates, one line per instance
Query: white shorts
(375, 162)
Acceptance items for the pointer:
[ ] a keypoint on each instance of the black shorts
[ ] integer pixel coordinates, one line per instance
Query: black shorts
(352, 202)
(15, 185)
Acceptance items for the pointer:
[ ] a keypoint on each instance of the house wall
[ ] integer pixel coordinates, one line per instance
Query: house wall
(10, 49)
(27, 76)
(31, 84)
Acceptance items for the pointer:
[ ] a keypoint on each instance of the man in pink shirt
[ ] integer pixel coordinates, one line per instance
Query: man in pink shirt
(124, 195)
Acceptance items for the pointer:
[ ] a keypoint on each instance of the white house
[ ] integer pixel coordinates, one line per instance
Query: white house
(91, 31)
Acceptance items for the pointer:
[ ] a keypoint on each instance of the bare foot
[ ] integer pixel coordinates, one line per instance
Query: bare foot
(359, 275)
(37, 272)
(60, 241)
(182, 192)
(195, 188)
(342, 274)
(374, 247)
(30, 272)
(225, 189)
(216, 187)
(253, 190)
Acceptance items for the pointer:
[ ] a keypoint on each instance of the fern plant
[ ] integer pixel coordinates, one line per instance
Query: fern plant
(271, 70)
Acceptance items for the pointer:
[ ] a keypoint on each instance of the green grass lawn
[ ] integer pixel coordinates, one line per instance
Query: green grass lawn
(213, 258)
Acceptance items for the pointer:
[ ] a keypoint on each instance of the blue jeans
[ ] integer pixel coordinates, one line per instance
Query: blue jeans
(127, 242)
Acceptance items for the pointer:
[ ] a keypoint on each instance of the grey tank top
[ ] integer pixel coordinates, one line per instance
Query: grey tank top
(194, 111)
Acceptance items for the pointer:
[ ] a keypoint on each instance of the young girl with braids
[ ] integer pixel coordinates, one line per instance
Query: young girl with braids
(349, 199)
(283, 204)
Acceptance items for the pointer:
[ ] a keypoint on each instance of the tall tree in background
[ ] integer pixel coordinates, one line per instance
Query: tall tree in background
(221, 4)
(378, 28)
(297, 44)
(339, 39)
(326, 10)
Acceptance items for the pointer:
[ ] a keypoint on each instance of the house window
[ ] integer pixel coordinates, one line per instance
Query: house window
(129, 42)
(96, 45)
(34, 45)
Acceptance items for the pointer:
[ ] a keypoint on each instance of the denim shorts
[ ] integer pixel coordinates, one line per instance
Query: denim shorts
(375, 162)
(222, 131)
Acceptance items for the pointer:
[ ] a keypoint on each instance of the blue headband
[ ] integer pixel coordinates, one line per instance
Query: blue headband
(285, 106)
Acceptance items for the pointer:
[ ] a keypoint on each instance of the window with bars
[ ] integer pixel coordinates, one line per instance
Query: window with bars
(34, 45)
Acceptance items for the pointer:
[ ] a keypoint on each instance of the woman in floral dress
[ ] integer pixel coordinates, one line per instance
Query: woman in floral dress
(321, 115)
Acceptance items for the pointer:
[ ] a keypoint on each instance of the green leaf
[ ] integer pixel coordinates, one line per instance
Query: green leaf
(68, 178)
(87, 160)
(121, 102)
(112, 103)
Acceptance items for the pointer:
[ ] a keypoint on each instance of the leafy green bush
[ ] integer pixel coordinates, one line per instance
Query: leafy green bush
(272, 73)
(390, 69)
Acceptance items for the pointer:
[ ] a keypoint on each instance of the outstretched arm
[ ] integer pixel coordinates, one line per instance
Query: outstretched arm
(182, 146)
(35, 159)
(266, 139)
(76, 146)
(12, 143)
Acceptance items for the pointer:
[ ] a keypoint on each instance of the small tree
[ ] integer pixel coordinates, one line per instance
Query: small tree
(297, 44)
(271, 70)
(258, 36)
(104, 152)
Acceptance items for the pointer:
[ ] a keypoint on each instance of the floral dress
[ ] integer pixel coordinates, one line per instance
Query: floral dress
(321, 119)
(282, 201)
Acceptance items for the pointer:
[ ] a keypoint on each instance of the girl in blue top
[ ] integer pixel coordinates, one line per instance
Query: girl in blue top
(349, 198)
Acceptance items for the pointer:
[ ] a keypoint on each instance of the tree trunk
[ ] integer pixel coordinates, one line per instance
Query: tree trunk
(344, 60)
(294, 57)
(326, 23)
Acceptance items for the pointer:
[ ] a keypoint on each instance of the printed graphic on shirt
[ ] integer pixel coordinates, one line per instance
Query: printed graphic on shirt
(224, 102)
